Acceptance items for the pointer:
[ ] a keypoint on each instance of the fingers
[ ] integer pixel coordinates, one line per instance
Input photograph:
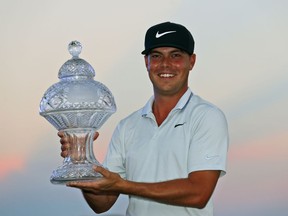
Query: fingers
(109, 183)
(88, 184)
(87, 187)
(95, 136)
(80, 184)
(101, 170)
(65, 143)
(93, 186)
(61, 134)
(64, 150)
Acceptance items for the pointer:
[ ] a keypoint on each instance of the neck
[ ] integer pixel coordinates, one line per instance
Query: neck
(163, 105)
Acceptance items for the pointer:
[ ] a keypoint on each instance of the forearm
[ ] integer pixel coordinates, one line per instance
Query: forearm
(169, 192)
(192, 192)
(100, 203)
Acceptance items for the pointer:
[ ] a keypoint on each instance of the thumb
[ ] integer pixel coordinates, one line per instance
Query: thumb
(101, 170)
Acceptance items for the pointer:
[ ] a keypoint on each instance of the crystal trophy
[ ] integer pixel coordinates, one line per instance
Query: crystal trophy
(79, 106)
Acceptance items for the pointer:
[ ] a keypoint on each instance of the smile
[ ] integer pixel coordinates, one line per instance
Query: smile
(166, 75)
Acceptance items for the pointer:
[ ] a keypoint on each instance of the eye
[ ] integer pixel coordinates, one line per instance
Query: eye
(154, 55)
(176, 55)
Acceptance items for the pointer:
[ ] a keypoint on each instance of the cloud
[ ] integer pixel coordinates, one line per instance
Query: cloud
(256, 177)
(11, 164)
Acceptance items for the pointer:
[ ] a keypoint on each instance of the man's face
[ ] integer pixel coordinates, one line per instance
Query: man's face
(168, 69)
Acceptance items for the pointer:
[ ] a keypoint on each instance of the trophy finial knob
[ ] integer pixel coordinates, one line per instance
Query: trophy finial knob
(75, 48)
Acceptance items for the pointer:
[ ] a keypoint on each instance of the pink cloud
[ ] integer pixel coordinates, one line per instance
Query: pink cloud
(257, 171)
(10, 164)
(274, 146)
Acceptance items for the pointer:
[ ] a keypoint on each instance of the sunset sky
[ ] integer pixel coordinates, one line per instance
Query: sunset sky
(241, 66)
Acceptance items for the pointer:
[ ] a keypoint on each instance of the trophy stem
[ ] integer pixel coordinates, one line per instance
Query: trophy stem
(79, 163)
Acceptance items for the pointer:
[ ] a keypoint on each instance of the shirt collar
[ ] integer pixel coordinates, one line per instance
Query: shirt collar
(180, 105)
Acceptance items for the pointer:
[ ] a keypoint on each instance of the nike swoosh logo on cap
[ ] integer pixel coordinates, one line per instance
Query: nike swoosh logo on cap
(158, 35)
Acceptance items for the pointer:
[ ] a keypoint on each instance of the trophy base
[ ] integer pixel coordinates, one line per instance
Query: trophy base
(74, 172)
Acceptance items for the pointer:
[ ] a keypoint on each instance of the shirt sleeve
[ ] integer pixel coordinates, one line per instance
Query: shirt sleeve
(115, 158)
(209, 143)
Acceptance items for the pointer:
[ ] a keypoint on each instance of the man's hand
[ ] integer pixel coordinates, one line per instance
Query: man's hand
(100, 194)
(65, 143)
(110, 183)
(97, 193)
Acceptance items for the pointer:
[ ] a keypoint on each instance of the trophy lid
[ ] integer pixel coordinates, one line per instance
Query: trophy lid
(77, 100)
(76, 66)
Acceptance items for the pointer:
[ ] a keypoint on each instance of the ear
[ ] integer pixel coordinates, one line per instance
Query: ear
(146, 61)
(192, 61)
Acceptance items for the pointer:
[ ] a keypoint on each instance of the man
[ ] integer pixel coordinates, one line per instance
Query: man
(168, 155)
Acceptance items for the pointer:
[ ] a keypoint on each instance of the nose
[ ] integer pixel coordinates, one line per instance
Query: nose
(165, 62)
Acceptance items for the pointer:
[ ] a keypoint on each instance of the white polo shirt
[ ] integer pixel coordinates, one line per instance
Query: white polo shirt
(193, 137)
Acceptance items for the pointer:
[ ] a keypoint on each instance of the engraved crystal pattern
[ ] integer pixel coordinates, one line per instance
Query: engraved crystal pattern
(78, 105)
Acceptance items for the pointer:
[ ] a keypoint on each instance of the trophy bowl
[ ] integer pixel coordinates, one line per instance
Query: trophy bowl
(78, 105)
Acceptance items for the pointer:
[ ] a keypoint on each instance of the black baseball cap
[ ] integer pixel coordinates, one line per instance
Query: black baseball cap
(168, 34)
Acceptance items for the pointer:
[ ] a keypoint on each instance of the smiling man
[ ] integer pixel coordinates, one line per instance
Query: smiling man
(168, 155)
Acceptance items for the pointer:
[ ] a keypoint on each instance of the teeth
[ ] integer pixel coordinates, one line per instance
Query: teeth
(166, 75)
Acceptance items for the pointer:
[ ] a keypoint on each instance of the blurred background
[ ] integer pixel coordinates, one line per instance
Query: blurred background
(241, 67)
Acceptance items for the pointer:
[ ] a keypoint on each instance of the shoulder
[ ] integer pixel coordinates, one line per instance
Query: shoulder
(203, 111)
(200, 105)
(131, 118)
